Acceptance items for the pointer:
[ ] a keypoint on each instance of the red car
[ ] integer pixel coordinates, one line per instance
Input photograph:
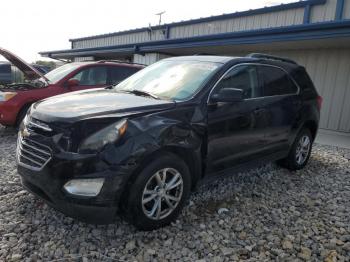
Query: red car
(15, 99)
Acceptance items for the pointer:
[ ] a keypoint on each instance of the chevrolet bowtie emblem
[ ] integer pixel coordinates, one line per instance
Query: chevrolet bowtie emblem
(25, 132)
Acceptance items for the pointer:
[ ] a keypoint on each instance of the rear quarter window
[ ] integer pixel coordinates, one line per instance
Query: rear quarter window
(276, 81)
(305, 83)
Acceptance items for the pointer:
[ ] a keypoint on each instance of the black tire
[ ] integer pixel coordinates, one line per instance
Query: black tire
(134, 209)
(291, 162)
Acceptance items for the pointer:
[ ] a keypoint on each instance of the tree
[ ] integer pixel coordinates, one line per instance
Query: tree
(50, 64)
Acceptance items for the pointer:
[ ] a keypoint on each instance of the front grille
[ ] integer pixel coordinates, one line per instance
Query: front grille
(31, 154)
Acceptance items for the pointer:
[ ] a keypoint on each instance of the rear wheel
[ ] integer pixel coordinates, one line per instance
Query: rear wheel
(159, 193)
(300, 152)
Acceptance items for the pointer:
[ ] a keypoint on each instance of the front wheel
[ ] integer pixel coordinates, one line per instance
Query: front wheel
(300, 151)
(159, 193)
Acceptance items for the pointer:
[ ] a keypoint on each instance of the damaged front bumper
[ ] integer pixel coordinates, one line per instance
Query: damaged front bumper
(44, 170)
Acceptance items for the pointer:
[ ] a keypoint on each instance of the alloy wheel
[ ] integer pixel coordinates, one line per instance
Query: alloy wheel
(303, 149)
(162, 193)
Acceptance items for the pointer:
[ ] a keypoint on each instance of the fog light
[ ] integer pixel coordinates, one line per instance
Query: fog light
(84, 187)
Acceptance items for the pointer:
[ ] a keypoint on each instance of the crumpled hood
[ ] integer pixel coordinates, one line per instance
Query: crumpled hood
(94, 103)
(29, 72)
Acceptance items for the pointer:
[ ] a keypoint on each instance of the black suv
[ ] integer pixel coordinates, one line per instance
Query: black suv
(141, 146)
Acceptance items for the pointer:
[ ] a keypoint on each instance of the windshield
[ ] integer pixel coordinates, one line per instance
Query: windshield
(175, 80)
(60, 72)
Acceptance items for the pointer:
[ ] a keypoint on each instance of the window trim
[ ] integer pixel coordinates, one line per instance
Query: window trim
(255, 98)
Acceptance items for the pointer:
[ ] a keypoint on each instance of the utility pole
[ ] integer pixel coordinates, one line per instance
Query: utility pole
(160, 16)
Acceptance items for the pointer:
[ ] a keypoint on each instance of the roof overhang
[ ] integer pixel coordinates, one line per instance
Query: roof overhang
(292, 34)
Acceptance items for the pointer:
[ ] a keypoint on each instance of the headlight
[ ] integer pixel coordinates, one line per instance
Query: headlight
(84, 187)
(5, 96)
(109, 134)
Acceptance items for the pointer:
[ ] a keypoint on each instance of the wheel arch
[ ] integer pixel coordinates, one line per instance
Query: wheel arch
(312, 126)
(191, 158)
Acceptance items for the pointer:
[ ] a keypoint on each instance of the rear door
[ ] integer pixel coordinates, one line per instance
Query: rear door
(282, 105)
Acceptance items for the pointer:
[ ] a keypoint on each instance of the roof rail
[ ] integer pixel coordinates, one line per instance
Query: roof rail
(119, 61)
(271, 57)
(204, 54)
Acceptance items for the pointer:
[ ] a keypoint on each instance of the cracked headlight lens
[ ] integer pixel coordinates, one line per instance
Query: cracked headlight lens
(107, 135)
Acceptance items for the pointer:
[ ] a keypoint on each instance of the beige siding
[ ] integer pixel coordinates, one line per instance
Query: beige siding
(81, 59)
(272, 19)
(146, 59)
(326, 12)
(319, 13)
(120, 39)
(346, 13)
(275, 19)
(330, 71)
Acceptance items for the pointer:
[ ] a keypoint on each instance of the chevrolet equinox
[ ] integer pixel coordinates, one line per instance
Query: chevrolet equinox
(140, 147)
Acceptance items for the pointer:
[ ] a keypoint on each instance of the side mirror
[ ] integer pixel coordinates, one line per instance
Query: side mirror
(72, 83)
(228, 95)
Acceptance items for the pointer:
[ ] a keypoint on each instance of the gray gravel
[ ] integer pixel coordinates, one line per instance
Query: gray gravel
(264, 214)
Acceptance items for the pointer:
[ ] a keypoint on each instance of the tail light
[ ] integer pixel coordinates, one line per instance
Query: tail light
(319, 102)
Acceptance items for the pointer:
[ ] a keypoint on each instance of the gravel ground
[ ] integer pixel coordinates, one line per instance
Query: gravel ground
(264, 214)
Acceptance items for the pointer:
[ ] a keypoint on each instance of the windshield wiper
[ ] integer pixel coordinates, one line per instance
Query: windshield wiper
(140, 93)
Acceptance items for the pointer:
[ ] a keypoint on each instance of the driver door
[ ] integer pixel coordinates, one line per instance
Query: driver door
(236, 129)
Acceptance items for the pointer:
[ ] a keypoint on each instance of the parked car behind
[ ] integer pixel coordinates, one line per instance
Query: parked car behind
(16, 98)
(10, 74)
(141, 146)
(41, 68)
(5, 73)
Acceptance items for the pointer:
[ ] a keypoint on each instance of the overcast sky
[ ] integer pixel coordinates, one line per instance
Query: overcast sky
(30, 26)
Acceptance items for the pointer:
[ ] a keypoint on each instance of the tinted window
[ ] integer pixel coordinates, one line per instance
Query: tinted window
(92, 76)
(276, 81)
(118, 74)
(244, 78)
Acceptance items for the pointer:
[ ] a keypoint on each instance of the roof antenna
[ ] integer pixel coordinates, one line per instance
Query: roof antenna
(160, 16)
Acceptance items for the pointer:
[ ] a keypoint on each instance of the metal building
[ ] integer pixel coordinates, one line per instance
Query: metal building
(315, 33)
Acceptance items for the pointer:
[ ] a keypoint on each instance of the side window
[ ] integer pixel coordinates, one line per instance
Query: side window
(243, 77)
(92, 76)
(119, 73)
(276, 81)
